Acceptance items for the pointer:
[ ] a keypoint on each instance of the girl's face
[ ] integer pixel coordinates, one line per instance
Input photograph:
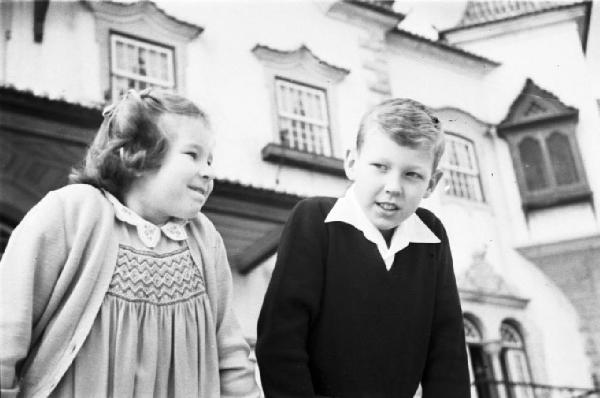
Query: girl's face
(180, 187)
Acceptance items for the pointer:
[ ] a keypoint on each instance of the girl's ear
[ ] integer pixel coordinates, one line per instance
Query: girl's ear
(350, 164)
(435, 178)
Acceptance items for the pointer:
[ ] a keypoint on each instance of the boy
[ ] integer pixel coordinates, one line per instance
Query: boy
(363, 301)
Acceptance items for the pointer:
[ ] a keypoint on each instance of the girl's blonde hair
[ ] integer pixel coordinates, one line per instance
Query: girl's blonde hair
(408, 122)
(129, 140)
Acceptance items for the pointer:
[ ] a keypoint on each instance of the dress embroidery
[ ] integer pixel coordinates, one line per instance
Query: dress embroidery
(160, 279)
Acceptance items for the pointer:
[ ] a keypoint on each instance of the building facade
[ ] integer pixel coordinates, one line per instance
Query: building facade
(285, 84)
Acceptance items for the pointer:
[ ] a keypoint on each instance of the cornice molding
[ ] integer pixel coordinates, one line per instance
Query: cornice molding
(484, 30)
(302, 57)
(541, 250)
(447, 52)
(533, 106)
(128, 13)
(362, 13)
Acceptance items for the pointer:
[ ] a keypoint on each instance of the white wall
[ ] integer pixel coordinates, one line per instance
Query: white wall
(227, 80)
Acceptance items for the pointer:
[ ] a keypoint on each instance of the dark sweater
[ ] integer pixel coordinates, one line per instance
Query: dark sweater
(336, 323)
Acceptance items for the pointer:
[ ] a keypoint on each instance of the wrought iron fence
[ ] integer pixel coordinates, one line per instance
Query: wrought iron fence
(507, 389)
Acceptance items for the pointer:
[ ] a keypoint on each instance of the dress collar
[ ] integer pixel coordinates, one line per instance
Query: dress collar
(148, 233)
(346, 209)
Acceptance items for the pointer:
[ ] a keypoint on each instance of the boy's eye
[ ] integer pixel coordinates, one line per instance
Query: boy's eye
(379, 166)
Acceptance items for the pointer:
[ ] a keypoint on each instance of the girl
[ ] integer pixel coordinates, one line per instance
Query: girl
(117, 285)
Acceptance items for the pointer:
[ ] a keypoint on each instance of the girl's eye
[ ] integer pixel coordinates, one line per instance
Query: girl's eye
(414, 175)
(193, 155)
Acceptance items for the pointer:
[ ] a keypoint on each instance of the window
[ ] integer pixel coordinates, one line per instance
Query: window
(136, 64)
(541, 133)
(140, 46)
(302, 93)
(303, 119)
(513, 360)
(480, 367)
(460, 169)
(548, 170)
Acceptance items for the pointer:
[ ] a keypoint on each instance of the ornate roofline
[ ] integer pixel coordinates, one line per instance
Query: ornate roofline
(587, 4)
(446, 47)
(530, 86)
(300, 54)
(127, 10)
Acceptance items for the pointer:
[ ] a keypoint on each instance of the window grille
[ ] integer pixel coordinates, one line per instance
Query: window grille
(136, 64)
(472, 333)
(303, 120)
(514, 362)
(460, 169)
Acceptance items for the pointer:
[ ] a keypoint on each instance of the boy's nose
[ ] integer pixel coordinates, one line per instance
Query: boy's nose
(393, 186)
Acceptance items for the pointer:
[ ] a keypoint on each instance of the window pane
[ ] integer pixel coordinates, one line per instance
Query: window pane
(302, 118)
(532, 160)
(561, 157)
(461, 171)
(138, 64)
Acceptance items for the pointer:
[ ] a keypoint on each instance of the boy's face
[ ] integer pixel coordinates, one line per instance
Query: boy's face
(389, 179)
(180, 187)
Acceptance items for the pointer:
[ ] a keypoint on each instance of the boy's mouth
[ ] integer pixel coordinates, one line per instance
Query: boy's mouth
(387, 206)
(201, 190)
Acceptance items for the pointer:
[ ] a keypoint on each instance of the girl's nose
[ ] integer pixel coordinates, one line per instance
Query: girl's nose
(207, 171)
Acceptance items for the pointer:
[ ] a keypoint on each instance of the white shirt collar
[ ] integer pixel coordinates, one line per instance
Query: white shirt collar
(346, 209)
(148, 233)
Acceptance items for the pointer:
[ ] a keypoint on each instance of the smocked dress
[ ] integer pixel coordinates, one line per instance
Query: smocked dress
(154, 335)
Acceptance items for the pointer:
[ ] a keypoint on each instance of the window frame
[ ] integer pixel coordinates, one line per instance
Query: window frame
(146, 22)
(507, 364)
(301, 66)
(328, 142)
(170, 50)
(447, 168)
(553, 194)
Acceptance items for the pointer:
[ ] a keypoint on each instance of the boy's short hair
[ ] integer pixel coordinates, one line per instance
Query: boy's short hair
(408, 122)
(130, 141)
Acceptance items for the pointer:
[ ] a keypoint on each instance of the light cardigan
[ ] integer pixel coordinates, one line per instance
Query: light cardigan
(53, 277)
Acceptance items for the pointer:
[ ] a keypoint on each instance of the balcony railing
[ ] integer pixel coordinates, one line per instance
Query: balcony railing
(507, 389)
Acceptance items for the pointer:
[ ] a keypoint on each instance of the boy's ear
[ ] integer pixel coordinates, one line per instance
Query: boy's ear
(435, 178)
(350, 163)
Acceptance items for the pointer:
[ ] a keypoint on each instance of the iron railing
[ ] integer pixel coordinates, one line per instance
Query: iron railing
(507, 389)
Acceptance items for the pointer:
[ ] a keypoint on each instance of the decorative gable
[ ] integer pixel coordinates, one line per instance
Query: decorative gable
(143, 14)
(301, 58)
(143, 25)
(534, 104)
(480, 283)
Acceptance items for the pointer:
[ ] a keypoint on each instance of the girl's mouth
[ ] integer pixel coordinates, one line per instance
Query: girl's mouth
(387, 206)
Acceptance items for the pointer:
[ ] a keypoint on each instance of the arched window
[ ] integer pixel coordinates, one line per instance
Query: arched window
(461, 169)
(561, 157)
(532, 160)
(513, 359)
(480, 368)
